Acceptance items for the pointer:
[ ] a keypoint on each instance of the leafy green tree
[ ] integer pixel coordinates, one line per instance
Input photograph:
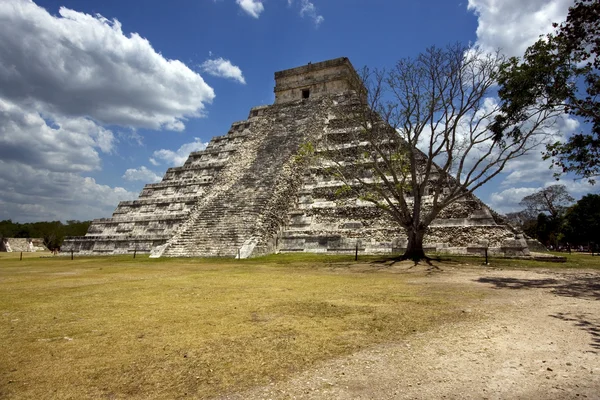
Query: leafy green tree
(552, 200)
(52, 233)
(543, 217)
(549, 230)
(24, 231)
(76, 228)
(8, 229)
(561, 70)
(583, 220)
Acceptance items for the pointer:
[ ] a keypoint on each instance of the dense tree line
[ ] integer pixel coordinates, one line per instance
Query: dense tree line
(551, 217)
(53, 232)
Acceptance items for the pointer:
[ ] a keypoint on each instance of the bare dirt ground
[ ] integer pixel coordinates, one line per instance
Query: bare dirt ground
(534, 335)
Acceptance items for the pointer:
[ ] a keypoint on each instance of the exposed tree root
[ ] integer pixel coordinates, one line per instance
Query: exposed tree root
(415, 259)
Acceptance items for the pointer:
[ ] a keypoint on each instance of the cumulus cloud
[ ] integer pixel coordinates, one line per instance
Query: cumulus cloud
(58, 144)
(251, 7)
(531, 168)
(527, 170)
(223, 69)
(76, 64)
(179, 156)
(142, 174)
(513, 25)
(31, 194)
(527, 167)
(64, 79)
(577, 188)
(508, 200)
(41, 161)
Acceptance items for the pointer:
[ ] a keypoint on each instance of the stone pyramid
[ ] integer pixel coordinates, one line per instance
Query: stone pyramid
(249, 194)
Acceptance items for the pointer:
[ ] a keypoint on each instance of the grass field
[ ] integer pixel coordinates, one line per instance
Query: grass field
(118, 327)
(140, 328)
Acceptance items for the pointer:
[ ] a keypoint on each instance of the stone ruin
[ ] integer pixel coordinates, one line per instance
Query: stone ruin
(247, 194)
(21, 244)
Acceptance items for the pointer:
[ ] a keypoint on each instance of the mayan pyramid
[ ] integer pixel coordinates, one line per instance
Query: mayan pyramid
(248, 194)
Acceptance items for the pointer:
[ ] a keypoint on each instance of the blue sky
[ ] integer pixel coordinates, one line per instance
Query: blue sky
(98, 98)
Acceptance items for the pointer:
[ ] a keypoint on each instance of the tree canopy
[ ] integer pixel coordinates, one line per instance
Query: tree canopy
(561, 70)
(583, 221)
(552, 200)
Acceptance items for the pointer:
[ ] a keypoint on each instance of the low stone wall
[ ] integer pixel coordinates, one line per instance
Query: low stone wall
(91, 244)
(345, 242)
(21, 244)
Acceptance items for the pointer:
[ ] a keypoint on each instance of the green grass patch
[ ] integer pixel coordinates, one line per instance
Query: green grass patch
(120, 327)
(573, 260)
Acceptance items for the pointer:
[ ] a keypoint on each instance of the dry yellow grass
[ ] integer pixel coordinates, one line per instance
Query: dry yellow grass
(116, 327)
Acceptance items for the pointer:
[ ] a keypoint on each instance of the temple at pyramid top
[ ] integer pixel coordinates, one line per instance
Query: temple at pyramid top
(313, 81)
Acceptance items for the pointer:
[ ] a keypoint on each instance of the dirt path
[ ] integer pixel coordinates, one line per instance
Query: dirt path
(536, 336)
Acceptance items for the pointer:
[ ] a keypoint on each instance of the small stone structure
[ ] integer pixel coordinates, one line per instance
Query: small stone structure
(248, 193)
(24, 245)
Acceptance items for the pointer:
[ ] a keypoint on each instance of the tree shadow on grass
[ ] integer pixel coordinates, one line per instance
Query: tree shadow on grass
(584, 286)
(587, 322)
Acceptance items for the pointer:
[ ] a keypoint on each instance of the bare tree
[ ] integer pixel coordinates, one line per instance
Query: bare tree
(422, 140)
(552, 200)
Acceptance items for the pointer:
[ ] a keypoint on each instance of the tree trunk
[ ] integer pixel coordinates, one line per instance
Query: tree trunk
(414, 249)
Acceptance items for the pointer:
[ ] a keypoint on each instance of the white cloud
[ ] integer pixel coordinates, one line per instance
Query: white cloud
(308, 9)
(508, 200)
(531, 167)
(178, 157)
(64, 78)
(76, 64)
(251, 7)
(223, 69)
(142, 174)
(57, 144)
(41, 162)
(31, 194)
(513, 25)
(527, 170)
(577, 188)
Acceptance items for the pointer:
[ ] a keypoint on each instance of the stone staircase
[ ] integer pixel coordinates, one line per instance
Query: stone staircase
(149, 221)
(253, 194)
